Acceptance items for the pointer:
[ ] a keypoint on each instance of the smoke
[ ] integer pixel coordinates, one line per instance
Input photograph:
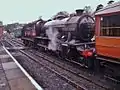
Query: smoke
(52, 35)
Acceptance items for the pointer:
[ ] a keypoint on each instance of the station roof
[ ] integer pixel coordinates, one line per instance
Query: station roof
(112, 8)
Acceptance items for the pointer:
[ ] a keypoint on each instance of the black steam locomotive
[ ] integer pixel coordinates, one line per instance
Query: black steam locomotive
(68, 36)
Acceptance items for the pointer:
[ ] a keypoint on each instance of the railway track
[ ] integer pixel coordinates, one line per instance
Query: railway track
(72, 82)
(55, 60)
(79, 87)
(56, 67)
(64, 67)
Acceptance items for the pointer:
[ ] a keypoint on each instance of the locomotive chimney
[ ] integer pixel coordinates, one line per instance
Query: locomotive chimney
(79, 12)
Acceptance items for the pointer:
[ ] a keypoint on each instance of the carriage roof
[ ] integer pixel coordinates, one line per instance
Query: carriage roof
(112, 8)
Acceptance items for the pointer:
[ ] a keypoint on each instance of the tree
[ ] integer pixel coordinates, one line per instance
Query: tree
(61, 13)
(40, 17)
(100, 6)
(1, 23)
(110, 2)
(11, 27)
(87, 9)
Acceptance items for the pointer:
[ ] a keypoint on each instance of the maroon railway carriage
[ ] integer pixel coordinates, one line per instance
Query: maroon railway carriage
(30, 31)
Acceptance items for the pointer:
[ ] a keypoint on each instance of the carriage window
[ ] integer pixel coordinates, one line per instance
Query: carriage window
(110, 26)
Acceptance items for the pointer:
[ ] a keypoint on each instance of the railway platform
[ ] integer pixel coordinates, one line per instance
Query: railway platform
(11, 77)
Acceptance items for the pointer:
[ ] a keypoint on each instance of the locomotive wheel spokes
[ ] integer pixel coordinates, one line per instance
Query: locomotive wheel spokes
(29, 44)
(41, 49)
(81, 60)
(59, 54)
(90, 63)
(63, 53)
(26, 43)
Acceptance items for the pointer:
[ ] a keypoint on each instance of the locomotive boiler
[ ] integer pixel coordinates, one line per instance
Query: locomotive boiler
(68, 36)
(74, 29)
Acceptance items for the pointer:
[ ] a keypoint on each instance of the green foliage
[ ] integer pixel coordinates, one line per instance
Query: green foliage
(100, 6)
(87, 9)
(110, 2)
(61, 13)
(1, 23)
(11, 27)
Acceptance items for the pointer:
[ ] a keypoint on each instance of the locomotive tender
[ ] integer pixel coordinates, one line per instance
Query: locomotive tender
(68, 36)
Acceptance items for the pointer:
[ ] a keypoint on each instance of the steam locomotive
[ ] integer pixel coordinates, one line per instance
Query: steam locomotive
(67, 36)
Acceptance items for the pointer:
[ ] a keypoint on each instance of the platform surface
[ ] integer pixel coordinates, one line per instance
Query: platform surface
(11, 77)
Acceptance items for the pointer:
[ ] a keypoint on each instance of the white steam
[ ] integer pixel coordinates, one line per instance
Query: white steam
(52, 35)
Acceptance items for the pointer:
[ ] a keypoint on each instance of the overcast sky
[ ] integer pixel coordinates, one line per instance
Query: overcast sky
(27, 10)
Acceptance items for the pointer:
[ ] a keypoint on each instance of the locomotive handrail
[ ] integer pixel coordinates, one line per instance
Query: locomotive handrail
(84, 43)
(43, 38)
(78, 44)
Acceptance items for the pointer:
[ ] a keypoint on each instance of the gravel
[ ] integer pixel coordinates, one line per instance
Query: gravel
(47, 79)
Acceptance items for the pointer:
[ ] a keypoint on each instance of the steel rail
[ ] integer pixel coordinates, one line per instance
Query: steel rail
(65, 78)
(57, 73)
(37, 86)
(79, 75)
(41, 55)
